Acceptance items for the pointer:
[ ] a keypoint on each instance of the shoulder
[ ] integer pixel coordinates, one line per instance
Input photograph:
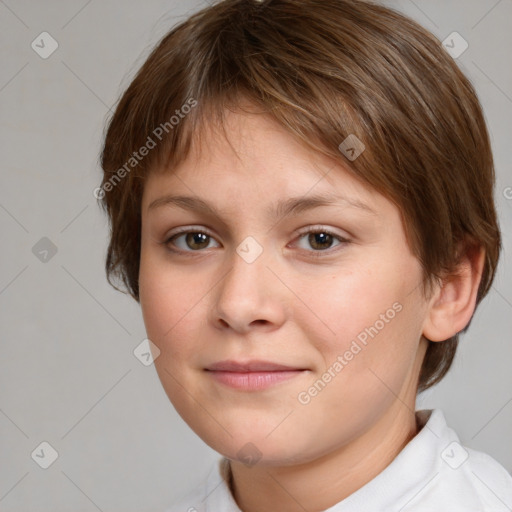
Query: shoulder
(192, 502)
(469, 481)
(464, 478)
(489, 477)
(212, 495)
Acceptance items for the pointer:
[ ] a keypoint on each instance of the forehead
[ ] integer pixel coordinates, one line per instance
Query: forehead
(251, 153)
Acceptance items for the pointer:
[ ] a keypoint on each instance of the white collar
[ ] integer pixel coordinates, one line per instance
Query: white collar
(420, 478)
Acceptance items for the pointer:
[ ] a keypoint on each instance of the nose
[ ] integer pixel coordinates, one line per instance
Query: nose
(249, 297)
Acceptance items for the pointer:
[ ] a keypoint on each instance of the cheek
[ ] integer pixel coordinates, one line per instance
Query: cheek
(169, 299)
(369, 316)
(344, 305)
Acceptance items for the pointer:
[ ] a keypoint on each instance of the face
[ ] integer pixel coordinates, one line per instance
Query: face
(282, 295)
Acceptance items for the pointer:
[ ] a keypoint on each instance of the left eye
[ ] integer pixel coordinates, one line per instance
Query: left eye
(320, 240)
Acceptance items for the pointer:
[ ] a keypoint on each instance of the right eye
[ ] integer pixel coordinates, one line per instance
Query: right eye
(190, 241)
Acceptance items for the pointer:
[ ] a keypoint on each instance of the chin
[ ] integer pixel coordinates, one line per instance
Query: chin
(254, 447)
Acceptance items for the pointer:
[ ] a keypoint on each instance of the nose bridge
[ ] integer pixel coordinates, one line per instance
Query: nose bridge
(248, 274)
(246, 293)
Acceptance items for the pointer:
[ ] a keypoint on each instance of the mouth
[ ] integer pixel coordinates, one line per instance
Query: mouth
(252, 375)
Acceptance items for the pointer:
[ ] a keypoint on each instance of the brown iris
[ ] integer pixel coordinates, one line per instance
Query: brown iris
(197, 240)
(320, 240)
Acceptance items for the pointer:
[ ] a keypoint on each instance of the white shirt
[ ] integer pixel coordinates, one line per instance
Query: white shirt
(433, 473)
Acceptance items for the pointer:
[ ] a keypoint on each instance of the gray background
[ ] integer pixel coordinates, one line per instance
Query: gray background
(68, 375)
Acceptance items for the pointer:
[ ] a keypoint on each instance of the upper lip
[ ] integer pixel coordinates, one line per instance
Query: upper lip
(250, 366)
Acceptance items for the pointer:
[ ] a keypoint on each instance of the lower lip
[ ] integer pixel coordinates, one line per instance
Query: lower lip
(253, 381)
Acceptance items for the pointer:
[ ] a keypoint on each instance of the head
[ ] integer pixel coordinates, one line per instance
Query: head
(245, 106)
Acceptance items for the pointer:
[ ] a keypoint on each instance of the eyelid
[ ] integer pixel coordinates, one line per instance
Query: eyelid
(319, 228)
(189, 229)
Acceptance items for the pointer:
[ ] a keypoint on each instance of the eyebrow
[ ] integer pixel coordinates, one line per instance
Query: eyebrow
(293, 205)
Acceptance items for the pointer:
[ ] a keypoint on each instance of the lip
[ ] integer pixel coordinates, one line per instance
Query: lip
(254, 365)
(252, 375)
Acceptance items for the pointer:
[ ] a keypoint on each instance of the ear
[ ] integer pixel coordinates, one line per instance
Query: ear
(453, 303)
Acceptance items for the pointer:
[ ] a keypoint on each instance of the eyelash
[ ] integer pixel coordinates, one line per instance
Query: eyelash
(313, 230)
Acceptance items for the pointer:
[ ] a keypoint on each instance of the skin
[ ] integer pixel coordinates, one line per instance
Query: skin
(299, 303)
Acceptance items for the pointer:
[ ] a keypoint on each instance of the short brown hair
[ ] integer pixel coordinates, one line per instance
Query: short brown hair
(323, 69)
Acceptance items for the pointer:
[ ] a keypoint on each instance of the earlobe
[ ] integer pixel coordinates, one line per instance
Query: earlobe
(452, 305)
